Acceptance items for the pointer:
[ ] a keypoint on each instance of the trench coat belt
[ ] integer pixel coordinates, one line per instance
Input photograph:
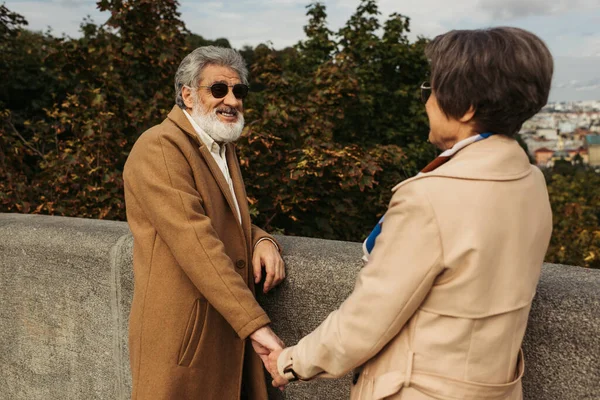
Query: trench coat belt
(443, 387)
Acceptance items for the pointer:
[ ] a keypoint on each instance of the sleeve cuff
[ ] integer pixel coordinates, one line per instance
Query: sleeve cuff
(253, 325)
(285, 360)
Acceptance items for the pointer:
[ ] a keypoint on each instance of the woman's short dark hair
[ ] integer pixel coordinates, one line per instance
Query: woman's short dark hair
(503, 73)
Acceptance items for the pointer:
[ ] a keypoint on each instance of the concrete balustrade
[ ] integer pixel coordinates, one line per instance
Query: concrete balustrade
(66, 286)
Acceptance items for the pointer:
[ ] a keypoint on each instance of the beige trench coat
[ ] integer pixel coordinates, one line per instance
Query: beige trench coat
(440, 309)
(193, 304)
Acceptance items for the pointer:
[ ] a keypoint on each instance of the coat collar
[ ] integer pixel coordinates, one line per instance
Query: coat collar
(178, 117)
(498, 158)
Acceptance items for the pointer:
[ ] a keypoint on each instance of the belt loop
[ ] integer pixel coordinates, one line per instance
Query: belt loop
(409, 367)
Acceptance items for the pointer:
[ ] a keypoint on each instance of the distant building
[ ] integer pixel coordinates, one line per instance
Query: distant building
(558, 155)
(574, 155)
(566, 127)
(534, 143)
(592, 144)
(547, 133)
(582, 152)
(580, 134)
(542, 156)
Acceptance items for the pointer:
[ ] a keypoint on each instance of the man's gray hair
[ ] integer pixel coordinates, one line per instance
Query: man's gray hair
(188, 73)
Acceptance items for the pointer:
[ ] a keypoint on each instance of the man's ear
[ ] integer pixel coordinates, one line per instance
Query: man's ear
(188, 97)
(468, 116)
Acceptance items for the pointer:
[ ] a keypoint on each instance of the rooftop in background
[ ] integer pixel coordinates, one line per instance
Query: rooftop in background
(572, 106)
(592, 139)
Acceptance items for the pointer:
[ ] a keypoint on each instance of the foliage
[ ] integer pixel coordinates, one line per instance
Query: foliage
(339, 124)
(79, 104)
(324, 122)
(575, 199)
(332, 123)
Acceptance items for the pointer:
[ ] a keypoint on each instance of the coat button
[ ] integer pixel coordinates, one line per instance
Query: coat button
(240, 264)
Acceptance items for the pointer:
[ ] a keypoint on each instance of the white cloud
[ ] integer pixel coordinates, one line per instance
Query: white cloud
(63, 16)
(511, 9)
(591, 47)
(591, 87)
(247, 22)
(576, 78)
(569, 27)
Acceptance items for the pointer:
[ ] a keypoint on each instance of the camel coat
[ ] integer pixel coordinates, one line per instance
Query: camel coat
(440, 309)
(193, 303)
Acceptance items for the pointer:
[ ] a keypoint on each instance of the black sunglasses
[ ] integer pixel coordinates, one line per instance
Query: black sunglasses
(425, 91)
(220, 90)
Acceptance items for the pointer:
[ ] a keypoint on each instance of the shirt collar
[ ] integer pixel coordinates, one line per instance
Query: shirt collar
(205, 137)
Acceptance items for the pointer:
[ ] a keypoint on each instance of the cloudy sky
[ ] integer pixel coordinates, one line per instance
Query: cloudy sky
(571, 28)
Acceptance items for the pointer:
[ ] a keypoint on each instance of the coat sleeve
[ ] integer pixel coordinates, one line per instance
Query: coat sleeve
(159, 177)
(259, 234)
(401, 270)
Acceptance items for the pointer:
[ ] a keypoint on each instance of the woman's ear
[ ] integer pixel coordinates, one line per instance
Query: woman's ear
(468, 116)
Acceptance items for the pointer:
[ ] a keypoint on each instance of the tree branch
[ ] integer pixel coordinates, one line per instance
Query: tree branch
(25, 142)
(269, 220)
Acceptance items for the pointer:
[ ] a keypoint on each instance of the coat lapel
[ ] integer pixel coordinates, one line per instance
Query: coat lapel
(218, 175)
(240, 190)
(178, 117)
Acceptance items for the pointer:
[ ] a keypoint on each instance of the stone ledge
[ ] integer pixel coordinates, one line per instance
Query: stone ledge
(67, 286)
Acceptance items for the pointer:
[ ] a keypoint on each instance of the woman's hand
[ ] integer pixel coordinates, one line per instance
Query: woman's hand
(278, 380)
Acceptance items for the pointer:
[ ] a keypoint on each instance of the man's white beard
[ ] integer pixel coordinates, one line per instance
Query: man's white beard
(222, 132)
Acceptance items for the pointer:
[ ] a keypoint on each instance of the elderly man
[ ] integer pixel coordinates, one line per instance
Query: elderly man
(196, 254)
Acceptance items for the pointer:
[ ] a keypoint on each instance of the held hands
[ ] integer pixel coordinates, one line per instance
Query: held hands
(278, 380)
(267, 255)
(268, 346)
(264, 341)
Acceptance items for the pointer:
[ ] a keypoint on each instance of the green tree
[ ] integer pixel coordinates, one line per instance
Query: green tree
(317, 165)
(68, 147)
(332, 123)
(194, 41)
(575, 198)
(318, 46)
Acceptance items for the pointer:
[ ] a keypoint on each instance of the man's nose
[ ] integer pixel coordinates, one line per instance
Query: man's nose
(230, 99)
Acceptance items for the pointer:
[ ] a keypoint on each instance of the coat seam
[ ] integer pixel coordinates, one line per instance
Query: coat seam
(512, 344)
(141, 329)
(437, 224)
(469, 350)
(478, 316)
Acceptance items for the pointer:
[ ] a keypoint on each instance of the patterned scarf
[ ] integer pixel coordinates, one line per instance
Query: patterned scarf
(443, 158)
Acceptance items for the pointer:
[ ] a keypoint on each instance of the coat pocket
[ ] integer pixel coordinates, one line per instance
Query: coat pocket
(193, 333)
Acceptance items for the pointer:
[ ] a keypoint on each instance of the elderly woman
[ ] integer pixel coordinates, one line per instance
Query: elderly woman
(440, 309)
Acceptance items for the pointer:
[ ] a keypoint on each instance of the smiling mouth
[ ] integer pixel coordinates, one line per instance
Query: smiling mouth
(228, 113)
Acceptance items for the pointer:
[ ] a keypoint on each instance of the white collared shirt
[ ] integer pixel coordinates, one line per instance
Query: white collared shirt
(219, 154)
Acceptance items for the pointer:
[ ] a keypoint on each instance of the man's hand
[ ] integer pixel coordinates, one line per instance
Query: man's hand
(264, 341)
(278, 380)
(266, 254)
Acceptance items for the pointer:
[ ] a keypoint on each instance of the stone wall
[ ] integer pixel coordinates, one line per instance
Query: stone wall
(66, 286)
